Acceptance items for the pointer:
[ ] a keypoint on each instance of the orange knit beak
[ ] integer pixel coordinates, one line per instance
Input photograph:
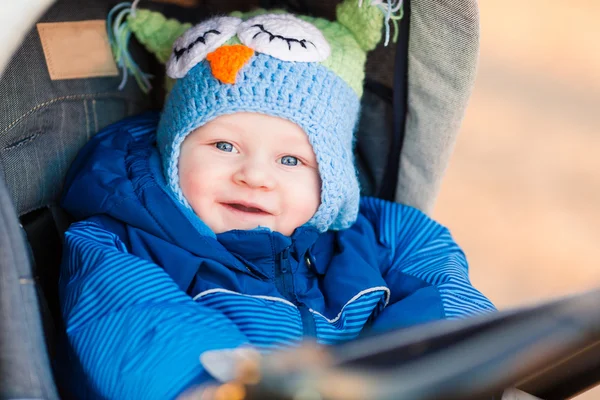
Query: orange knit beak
(226, 61)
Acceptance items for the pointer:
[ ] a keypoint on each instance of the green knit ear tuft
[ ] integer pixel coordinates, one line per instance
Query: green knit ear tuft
(364, 21)
(156, 32)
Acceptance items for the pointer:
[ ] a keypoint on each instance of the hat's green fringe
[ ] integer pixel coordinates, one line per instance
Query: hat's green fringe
(119, 33)
(155, 32)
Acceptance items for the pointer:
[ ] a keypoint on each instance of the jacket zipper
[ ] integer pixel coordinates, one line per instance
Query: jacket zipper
(284, 281)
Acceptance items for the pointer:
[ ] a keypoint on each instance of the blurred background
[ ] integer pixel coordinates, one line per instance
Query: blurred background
(522, 192)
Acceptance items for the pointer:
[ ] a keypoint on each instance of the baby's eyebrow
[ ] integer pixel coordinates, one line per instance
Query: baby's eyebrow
(299, 151)
(232, 127)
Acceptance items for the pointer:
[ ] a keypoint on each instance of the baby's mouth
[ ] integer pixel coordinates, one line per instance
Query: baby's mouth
(247, 208)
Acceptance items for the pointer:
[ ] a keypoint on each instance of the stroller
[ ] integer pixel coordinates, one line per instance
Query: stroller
(415, 96)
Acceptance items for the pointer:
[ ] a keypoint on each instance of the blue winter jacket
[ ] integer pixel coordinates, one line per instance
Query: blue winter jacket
(145, 289)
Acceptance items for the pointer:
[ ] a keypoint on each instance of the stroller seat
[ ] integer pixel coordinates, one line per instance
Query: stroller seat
(416, 93)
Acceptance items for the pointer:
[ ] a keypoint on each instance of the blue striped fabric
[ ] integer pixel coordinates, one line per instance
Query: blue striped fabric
(353, 317)
(272, 323)
(424, 249)
(125, 315)
(269, 322)
(127, 321)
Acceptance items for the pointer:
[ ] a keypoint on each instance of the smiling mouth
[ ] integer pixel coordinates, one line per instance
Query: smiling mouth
(247, 209)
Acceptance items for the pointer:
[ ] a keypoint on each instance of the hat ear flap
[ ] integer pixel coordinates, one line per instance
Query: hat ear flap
(366, 18)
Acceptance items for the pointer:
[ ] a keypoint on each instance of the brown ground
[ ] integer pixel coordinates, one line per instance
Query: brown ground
(522, 193)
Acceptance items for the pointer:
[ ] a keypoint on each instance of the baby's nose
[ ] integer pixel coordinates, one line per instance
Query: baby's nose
(226, 61)
(255, 176)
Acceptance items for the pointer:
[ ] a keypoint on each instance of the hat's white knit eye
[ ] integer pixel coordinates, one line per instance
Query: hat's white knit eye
(193, 46)
(284, 36)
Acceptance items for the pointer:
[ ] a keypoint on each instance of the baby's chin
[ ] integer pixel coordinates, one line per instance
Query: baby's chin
(225, 222)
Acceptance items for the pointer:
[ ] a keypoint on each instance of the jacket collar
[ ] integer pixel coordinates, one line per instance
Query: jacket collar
(260, 249)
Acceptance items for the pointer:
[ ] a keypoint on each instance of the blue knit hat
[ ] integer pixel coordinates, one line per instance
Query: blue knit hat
(307, 70)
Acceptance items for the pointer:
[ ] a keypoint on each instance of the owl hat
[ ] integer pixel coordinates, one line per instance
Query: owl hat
(307, 70)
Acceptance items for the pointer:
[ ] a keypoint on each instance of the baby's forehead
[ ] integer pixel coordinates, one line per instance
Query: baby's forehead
(265, 129)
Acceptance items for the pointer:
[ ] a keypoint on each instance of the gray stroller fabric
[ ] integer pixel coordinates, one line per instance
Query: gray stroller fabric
(442, 61)
(24, 365)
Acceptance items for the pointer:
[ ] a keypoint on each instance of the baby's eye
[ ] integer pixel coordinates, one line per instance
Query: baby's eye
(290, 161)
(284, 36)
(225, 146)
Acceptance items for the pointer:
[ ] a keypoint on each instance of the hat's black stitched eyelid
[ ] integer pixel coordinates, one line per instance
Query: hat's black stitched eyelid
(288, 40)
(200, 39)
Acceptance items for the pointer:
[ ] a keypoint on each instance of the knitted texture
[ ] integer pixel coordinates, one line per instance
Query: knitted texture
(284, 36)
(357, 30)
(156, 32)
(347, 58)
(226, 61)
(197, 42)
(308, 94)
(365, 22)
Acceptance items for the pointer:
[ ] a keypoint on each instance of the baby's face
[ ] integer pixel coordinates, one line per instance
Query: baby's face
(245, 170)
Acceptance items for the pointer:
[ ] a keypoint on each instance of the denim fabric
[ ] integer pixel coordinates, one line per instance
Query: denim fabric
(43, 123)
(24, 365)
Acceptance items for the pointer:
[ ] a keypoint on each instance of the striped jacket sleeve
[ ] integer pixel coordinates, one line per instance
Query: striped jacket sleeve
(423, 257)
(133, 332)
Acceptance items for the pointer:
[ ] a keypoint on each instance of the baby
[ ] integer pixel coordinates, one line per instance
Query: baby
(234, 220)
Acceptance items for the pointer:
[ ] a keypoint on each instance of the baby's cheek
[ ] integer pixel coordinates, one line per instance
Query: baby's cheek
(307, 205)
(191, 185)
(185, 181)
